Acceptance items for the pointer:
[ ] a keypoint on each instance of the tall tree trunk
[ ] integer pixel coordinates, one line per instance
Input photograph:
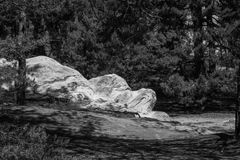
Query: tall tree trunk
(199, 55)
(197, 19)
(237, 111)
(21, 81)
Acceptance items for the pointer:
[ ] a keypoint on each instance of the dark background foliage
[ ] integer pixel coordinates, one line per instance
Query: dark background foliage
(186, 50)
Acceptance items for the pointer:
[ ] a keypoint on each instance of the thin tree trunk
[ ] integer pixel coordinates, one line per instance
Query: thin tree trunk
(21, 81)
(237, 111)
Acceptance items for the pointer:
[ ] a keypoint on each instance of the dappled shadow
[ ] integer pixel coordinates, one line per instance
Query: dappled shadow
(86, 131)
(203, 147)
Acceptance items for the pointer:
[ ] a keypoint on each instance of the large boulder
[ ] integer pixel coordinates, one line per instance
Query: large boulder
(53, 79)
(111, 92)
(114, 88)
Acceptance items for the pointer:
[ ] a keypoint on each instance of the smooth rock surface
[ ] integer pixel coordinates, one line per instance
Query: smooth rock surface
(51, 78)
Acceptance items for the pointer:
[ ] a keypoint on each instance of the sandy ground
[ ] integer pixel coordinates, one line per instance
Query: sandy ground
(217, 122)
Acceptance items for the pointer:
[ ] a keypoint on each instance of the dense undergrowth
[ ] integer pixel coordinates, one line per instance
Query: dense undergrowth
(202, 90)
(28, 142)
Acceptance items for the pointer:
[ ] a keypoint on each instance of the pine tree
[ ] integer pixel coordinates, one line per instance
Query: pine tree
(19, 45)
(228, 12)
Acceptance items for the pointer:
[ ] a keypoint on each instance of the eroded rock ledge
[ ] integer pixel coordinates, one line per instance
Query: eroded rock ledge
(86, 123)
(83, 123)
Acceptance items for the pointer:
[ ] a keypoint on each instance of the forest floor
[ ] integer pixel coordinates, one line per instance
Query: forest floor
(197, 148)
(206, 145)
(202, 147)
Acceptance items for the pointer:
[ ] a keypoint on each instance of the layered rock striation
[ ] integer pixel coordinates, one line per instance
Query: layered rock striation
(48, 77)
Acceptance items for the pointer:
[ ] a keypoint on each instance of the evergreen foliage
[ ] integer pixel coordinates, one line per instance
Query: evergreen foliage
(182, 49)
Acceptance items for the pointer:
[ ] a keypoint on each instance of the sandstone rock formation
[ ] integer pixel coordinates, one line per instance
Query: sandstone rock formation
(48, 77)
(109, 92)
(115, 89)
(82, 123)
